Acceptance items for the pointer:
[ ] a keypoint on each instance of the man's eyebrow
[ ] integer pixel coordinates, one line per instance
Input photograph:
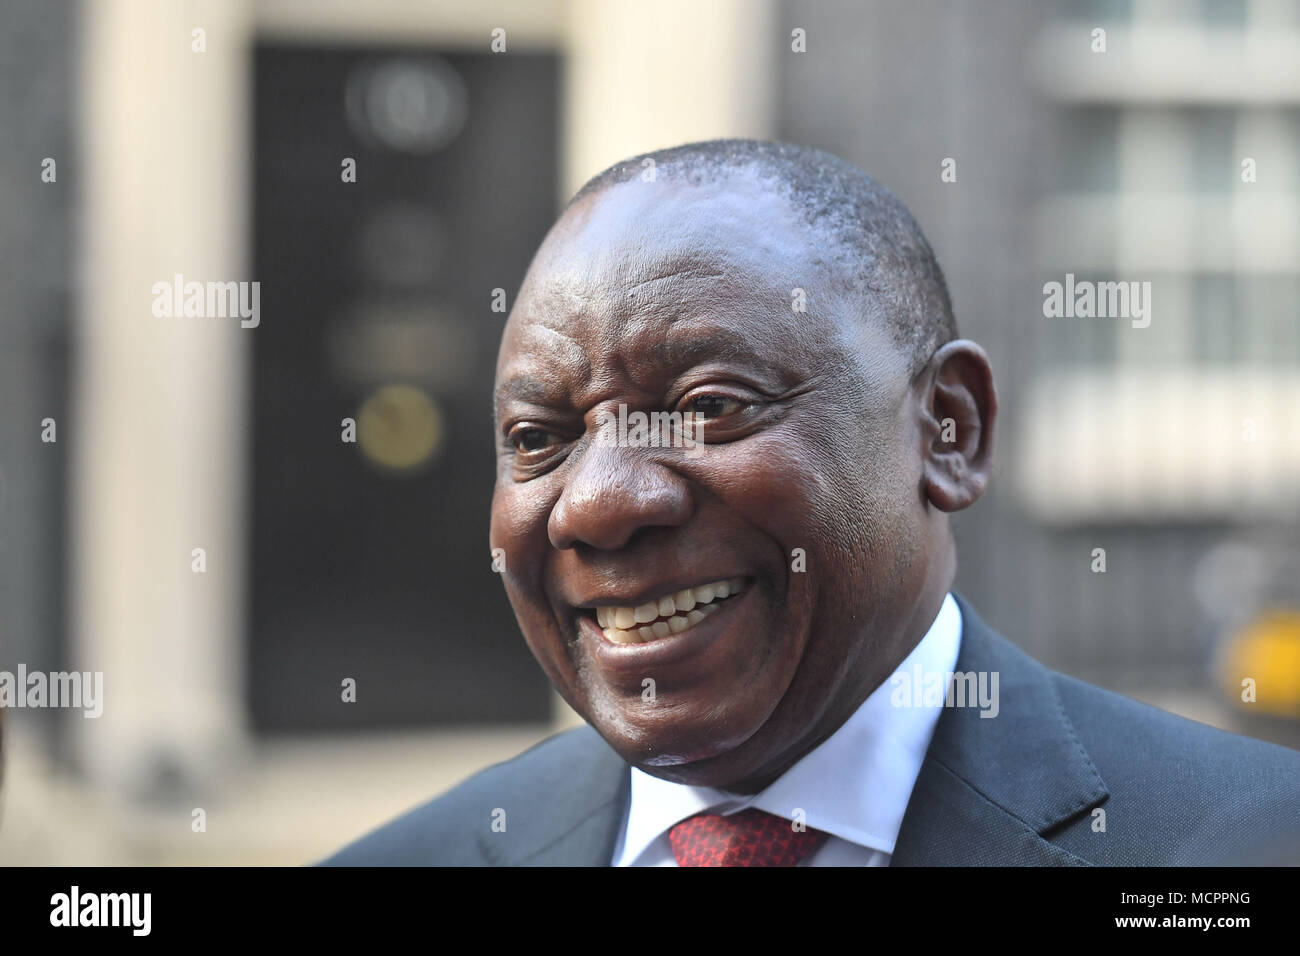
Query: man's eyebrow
(714, 343)
(670, 354)
(522, 389)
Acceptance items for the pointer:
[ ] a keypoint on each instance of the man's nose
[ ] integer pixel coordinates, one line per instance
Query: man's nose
(612, 494)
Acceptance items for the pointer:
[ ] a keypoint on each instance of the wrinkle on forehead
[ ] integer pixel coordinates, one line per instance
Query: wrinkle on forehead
(605, 302)
(524, 340)
(679, 274)
(621, 269)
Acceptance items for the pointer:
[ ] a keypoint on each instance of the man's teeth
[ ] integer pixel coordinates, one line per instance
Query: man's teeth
(668, 615)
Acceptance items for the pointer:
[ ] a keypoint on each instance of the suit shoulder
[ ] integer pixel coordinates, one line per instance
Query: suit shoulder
(1115, 723)
(1204, 794)
(445, 830)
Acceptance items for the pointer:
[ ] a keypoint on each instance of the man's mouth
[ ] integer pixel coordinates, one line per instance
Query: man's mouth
(666, 616)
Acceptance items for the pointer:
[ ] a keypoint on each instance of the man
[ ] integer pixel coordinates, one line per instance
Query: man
(758, 626)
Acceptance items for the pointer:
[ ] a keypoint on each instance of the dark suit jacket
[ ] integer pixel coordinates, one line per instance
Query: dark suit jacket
(1016, 789)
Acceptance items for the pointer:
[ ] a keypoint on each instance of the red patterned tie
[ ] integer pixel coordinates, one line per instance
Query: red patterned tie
(748, 838)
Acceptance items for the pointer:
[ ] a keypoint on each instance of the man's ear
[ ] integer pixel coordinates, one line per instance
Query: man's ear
(959, 406)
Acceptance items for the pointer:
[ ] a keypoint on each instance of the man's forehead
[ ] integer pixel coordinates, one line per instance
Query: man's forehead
(638, 233)
(654, 286)
(639, 254)
(673, 315)
(676, 341)
(674, 274)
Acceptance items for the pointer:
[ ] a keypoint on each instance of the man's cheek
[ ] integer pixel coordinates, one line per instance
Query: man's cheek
(763, 489)
(548, 647)
(534, 614)
(517, 538)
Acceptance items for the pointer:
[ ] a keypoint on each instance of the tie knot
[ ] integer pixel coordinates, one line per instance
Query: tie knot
(748, 838)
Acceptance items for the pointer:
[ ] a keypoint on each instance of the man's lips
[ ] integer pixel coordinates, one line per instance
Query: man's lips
(633, 657)
(669, 614)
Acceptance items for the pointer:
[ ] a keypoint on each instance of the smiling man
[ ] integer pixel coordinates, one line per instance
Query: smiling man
(756, 620)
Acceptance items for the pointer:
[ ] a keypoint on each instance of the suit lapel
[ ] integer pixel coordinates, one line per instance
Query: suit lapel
(569, 815)
(990, 787)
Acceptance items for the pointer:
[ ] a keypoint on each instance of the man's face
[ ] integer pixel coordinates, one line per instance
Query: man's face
(806, 498)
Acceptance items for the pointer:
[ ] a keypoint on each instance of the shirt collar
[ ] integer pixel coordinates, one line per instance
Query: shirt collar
(854, 785)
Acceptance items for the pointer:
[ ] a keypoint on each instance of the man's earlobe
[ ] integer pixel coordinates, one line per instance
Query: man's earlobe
(960, 407)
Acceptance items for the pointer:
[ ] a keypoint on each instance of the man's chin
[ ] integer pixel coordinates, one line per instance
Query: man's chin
(689, 752)
(726, 771)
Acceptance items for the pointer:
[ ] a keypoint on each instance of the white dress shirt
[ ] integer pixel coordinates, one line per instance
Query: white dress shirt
(855, 785)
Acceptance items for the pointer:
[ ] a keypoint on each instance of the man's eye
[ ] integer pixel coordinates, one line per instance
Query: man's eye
(713, 406)
(530, 439)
